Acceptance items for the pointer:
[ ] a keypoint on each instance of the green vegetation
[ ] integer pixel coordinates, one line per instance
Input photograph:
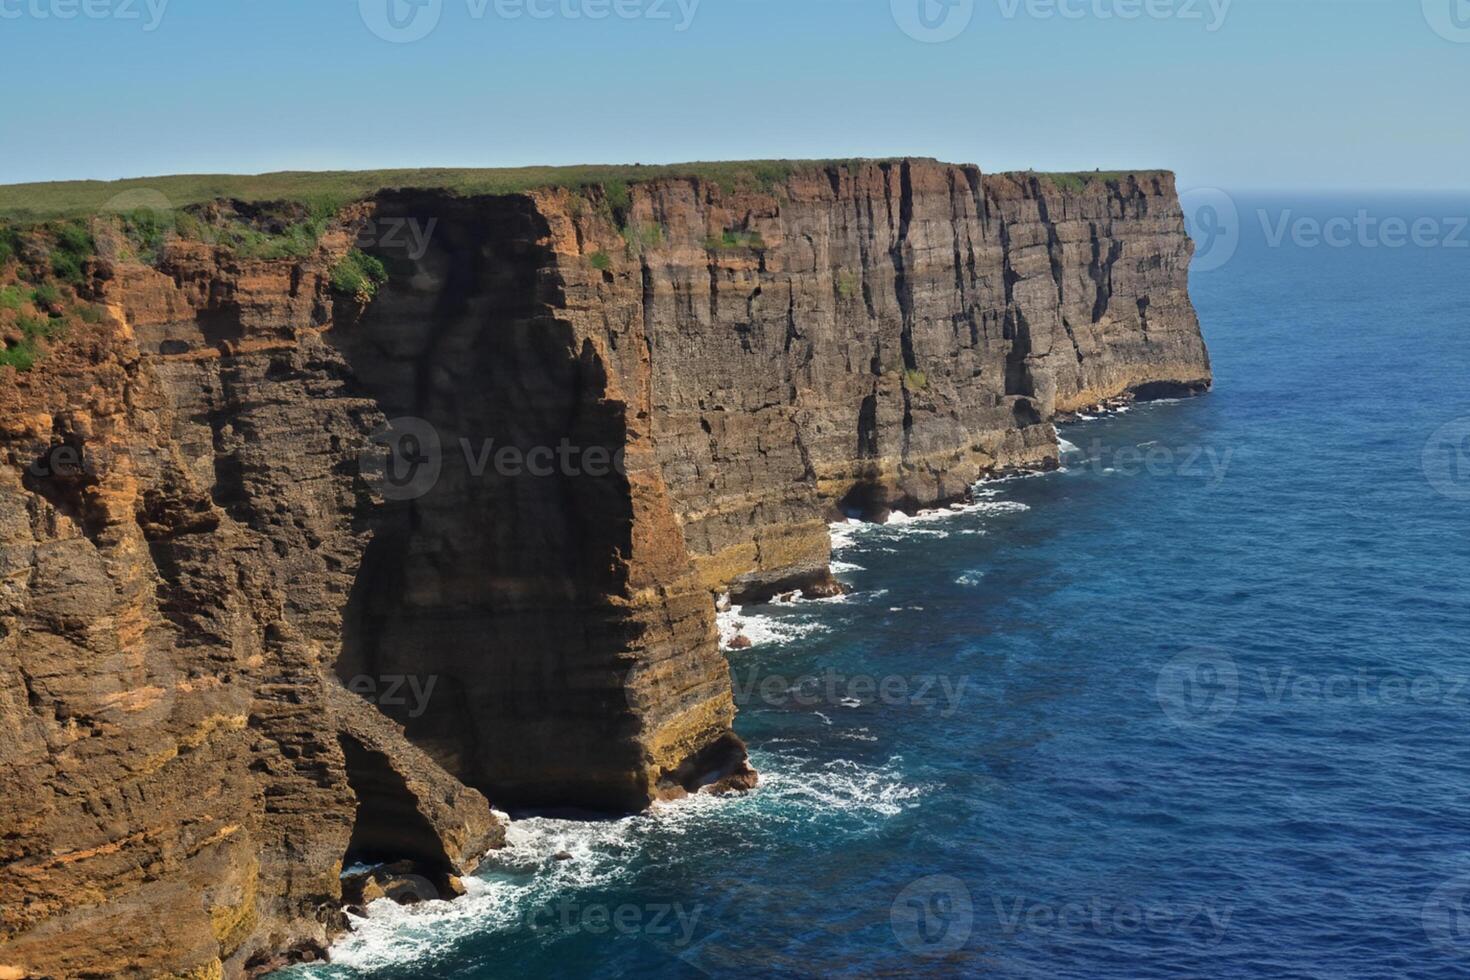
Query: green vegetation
(9, 245)
(81, 198)
(640, 237)
(617, 192)
(601, 260)
(916, 380)
(734, 240)
(46, 296)
(359, 275)
(1079, 180)
(11, 298)
(23, 354)
(847, 285)
(148, 229)
(74, 245)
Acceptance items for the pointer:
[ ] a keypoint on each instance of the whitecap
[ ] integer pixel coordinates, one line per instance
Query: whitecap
(760, 629)
(525, 878)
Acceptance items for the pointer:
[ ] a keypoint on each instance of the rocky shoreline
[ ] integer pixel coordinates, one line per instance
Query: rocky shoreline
(213, 580)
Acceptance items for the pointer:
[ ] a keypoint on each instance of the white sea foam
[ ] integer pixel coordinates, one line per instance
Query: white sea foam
(970, 579)
(841, 567)
(847, 796)
(760, 629)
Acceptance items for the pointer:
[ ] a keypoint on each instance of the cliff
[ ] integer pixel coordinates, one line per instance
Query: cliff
(212, 575)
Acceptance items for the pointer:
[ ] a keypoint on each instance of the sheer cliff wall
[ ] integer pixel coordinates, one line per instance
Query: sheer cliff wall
(201, 552)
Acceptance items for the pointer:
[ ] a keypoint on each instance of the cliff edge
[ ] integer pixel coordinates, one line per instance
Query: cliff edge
(247, 487)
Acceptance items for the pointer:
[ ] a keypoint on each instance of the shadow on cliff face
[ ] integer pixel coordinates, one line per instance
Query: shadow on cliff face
(494, 587)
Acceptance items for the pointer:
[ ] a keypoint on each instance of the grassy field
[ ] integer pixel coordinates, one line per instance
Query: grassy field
(77, 198)
(74, 198)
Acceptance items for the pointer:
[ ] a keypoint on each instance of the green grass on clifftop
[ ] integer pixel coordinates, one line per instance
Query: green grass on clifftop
(74, 198)
(78, 198)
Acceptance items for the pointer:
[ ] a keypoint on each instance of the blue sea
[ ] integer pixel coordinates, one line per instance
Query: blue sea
(1197, 705)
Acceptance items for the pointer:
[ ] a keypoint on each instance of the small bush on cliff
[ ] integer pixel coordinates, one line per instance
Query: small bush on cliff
(915, 380)
(601, 261)
(46, 295)
(640, 237)
(74, 245)
(734, 240)
(11, 298)
(22, 354)
(359, 275)
(847, 285)
(148, 230)
(8, 246)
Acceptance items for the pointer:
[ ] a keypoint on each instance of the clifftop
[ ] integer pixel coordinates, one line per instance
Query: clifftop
(80, 198)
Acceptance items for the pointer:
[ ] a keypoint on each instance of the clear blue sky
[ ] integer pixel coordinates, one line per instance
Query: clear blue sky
(1284, 94)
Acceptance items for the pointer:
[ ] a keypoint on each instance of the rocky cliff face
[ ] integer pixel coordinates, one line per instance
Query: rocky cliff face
(212, 577)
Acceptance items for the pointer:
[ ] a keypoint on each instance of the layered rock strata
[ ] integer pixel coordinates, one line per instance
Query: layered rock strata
(214, 573)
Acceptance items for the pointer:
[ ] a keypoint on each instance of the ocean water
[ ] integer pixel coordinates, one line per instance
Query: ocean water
(1198, 705)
